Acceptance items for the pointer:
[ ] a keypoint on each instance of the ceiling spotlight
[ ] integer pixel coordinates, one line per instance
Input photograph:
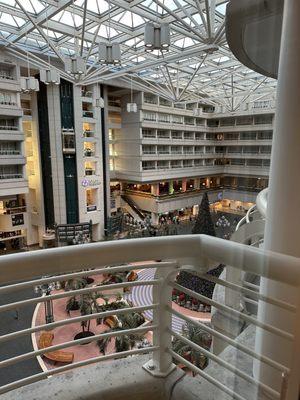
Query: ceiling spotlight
(75, 65)
(99, 103)
(131, 107)
(49, 76)
(157, 37)
(198, 112)
(29, 84)
(109, 53)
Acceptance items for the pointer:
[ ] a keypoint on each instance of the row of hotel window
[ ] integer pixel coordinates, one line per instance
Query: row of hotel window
(152, 149)
(154, 165)
(214, 123)
(180, 135)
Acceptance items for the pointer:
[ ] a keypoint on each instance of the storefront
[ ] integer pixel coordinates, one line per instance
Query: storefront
(231, 206)
(13, 223)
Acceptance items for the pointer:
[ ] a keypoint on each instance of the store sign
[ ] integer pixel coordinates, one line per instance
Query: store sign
(17, 219)
(90, 182)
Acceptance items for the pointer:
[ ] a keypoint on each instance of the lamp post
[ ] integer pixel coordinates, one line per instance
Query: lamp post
(223, 223)
(45, 290)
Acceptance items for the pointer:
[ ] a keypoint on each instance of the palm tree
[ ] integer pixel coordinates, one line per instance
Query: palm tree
(126, 321)
(197, 336)
(74, 284)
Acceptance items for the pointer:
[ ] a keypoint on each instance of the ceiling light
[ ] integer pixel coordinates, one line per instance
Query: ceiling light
(197, 112)
(157, 37)
(99, 103)
(49, 76)
(131, 107)
(109, 53)
(75, 65)
(29, 84)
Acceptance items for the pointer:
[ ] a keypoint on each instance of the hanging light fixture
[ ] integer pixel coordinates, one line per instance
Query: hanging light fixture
(49, 75)
(109, 53)
(198, 112)
(99, 103)
(75, 65)
(157, 37)
(29, 83)
(131, 107)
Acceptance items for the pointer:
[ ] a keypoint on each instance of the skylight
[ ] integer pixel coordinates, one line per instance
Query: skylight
(197, 58)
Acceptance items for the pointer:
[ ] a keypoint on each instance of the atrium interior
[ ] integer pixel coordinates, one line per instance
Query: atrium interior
(149, 205)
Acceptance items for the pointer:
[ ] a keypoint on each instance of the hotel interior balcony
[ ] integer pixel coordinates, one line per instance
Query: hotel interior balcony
(155, 370)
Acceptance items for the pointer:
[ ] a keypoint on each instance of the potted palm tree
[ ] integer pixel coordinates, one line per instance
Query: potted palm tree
(125, 321)
(87, 305)
(197, 336)
(74, 284)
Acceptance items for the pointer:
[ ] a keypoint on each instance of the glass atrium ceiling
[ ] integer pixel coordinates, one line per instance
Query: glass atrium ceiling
(198, 65)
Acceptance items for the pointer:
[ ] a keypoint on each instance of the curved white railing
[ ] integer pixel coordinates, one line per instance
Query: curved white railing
(262, 202)
(260, 207)
(192, 252)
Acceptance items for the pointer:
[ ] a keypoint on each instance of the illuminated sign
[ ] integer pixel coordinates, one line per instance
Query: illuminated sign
(90, 182)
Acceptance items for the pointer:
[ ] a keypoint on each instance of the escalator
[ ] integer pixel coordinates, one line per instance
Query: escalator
(132, 209)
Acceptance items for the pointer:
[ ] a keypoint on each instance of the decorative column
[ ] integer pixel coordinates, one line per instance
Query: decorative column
(283, 214)
(155, 189)
(197, 183)
(171, 188)
(207, 183)
(184, 184)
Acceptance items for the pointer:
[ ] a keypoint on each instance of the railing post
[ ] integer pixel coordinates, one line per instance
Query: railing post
(161, 364)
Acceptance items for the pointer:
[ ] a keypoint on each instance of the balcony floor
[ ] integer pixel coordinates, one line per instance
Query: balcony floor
(109, 380)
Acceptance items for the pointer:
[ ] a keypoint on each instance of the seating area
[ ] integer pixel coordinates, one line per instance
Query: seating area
(60, 356)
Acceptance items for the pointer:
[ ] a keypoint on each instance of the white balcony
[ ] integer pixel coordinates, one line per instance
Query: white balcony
(155, 375)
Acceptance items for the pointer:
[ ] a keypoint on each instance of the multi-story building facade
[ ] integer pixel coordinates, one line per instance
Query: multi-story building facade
(66, 159)
(166, 153)
(13, 177)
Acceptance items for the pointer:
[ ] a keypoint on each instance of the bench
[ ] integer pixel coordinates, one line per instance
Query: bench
(112, 321)
(45, 341)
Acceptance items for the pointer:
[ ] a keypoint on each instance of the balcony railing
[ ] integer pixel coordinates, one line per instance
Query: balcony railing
(90, 171)
(10, 152)
(6, 75)
(11, 176)
(89, 153)
(88, 114)
(196, 253)
(88, 134)
(9, 128)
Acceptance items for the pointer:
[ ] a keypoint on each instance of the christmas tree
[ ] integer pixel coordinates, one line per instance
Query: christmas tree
(203, 225)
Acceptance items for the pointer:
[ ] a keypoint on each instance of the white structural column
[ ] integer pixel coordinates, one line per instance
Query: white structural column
(283, 214)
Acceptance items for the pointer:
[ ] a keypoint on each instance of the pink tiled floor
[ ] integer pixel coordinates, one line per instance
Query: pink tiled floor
(66, 333)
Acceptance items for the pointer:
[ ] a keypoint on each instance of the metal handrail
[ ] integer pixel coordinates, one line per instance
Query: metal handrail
(191, 252)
